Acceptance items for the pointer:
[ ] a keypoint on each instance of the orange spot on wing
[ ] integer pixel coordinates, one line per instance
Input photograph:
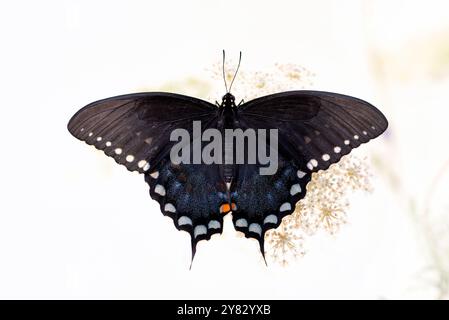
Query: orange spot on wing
(225, 208)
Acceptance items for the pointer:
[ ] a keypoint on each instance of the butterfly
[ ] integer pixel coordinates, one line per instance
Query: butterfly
(315, 129)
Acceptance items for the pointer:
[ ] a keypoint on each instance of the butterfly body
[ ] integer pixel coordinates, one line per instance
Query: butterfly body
(313, 130)
(228, 120)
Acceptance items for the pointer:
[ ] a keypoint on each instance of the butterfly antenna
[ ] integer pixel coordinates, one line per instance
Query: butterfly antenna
(235, 74)
(224, 73)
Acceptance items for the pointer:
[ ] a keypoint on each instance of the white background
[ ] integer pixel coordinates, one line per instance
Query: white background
(73, 224)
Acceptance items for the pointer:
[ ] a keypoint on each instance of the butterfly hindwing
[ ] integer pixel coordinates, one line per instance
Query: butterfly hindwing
(192, 195)
(261, 201)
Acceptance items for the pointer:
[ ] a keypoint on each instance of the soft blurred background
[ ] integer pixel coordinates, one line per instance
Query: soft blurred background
(73, 224)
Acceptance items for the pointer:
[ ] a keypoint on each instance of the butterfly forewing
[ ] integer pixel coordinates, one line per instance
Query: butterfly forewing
(135, 129)
(329, 126)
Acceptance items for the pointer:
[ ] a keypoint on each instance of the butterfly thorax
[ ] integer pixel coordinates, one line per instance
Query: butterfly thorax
(228, 108)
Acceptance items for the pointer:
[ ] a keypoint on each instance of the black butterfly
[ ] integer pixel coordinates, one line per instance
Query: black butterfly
(315, 130)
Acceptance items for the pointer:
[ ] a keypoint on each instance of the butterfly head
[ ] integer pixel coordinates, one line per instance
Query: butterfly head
(228, 100)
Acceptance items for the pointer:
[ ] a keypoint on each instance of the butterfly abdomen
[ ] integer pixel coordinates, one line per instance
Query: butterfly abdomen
(228, 117)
